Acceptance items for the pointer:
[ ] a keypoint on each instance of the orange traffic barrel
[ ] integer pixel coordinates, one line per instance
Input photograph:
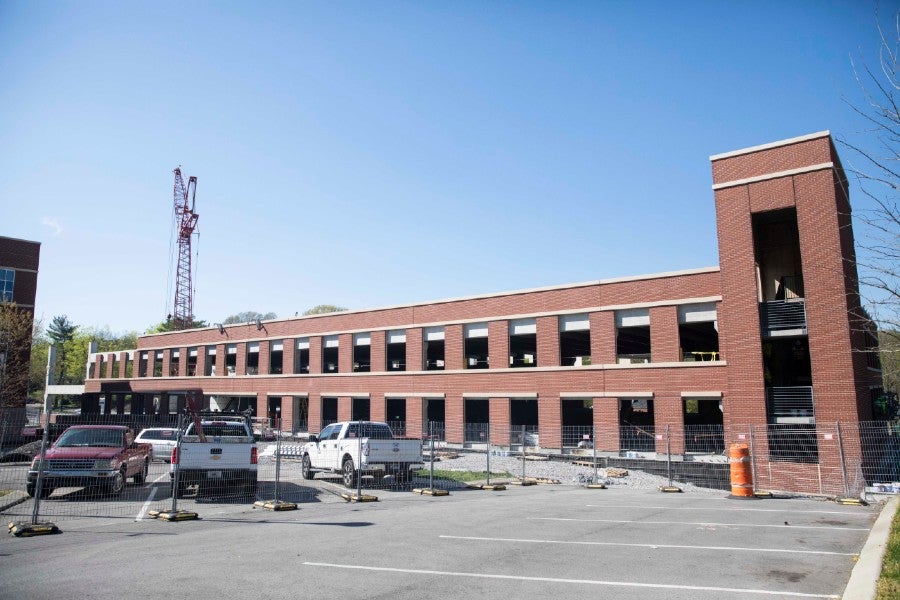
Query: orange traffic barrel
(741, 475)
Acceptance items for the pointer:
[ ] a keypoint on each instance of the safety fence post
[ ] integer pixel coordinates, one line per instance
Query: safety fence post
(488, 429)
(523, 454)
(431, 470)
(669, 488)
(277, 457)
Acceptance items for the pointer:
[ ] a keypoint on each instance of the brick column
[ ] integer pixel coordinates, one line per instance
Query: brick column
(603, 338)
(264, 352)
(606, 424)
(201, 360)
(240, 367)
(166, 361)
(123, 358)
(315, 354)
(548, 342)
(345, 354)
(499, 419)
(377, 353)
(664, 342)
(453, 348)
(414, 358)
(288, 347)
(345, 406)
(183, 361)
(314, 414)
(262, 404)
(287, 413)
(414, 417)
(498, 344)
(454, 415)
(667, 410)
(377, 407)
(220, 360)
(549, 417)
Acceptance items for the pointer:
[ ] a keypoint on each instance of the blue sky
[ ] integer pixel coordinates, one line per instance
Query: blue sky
(377, 153)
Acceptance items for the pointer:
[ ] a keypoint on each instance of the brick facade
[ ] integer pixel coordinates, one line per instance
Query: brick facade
(799, 182)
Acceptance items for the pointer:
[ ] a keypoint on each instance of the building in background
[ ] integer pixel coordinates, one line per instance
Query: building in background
(773, 338)
(19, 260)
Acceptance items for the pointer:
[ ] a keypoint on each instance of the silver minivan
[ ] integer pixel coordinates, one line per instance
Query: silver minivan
(163, 440)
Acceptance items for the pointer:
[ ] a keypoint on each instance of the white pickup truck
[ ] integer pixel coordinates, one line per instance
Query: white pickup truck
(221, 454)
(354, 448)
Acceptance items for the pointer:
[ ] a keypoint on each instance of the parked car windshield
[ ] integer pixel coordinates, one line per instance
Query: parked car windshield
(112, 438)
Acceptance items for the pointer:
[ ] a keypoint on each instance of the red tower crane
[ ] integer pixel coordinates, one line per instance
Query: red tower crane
(185, 225)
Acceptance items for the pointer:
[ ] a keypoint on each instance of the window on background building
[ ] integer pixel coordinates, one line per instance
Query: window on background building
(330, 345)
(633, 336)
(115, 365)
(142, 364)
(276, 357)
(129, 365)
(101, 366)
(157, 363)
(253, 358)
(433, 348)
(301, 356)
(698, 332)
(475, 346)
(209, 368)
(395, 352)
(523, 343)
(7, 282)
(574, 340)
(173, 363)
(230, 359)
(192, 362)
(362, 352)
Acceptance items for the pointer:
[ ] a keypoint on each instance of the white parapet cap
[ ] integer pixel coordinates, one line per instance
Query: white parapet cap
(580, 395)
(770, 145)
(485, 395)
(428, 395)
(706, 394)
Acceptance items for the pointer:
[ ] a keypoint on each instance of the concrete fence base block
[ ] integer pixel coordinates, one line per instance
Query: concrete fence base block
(670, 489)
(851, 501)
(173, 515)
(359, 497)
(273, 505)
(19, 529)
(430, 492)
(596, 486)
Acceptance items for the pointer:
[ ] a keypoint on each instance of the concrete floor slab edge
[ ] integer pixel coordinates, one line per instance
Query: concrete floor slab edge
(864, 577)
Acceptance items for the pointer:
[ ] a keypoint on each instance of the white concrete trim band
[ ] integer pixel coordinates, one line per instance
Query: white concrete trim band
(580, 395)
(701, 394)
(778, 175)
(424, 395)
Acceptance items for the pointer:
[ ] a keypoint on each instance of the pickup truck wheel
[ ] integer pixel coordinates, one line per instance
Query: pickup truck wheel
(141, 476)
(402, 477)
(31, 491)
(117, 483)
(349, 473)
(306, 468)
(250, 488)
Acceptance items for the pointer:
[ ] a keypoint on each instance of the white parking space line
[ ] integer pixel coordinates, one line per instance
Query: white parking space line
(149, 501)
(700, 523)
(653, 546)
(774, 510)
(596, 582)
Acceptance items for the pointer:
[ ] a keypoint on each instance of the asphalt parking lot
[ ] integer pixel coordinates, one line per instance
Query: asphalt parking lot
(525, 542)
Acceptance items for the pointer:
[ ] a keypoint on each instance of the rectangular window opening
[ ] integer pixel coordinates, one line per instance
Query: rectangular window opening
(276, 357)
(574, 340)
(633, 336)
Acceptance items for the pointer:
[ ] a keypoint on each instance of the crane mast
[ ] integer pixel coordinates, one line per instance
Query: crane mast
(185, 225)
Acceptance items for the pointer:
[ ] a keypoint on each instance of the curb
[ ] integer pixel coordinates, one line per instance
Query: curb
(864, 577)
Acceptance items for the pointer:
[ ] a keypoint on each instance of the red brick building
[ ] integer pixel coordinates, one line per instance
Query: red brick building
(774, 336)
(19, 261)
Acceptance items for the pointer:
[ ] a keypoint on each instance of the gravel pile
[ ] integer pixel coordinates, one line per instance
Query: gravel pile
(563, 471)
